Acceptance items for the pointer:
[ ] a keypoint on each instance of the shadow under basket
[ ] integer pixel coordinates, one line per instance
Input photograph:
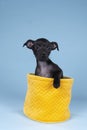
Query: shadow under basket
(45, 103)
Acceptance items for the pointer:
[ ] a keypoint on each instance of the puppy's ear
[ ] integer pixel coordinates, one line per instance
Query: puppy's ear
(54, 46)
(29, 44)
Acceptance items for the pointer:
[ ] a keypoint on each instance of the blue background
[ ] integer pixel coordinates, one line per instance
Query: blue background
(63, 21)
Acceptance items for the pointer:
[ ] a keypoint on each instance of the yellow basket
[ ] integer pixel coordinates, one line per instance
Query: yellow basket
(44, 103)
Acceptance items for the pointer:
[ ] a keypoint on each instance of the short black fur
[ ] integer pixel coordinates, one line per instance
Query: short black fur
(45, 67)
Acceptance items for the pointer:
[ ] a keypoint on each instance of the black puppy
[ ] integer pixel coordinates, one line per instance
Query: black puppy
(45, 67)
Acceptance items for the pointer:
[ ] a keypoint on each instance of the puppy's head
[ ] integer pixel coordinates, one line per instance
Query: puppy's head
(41, 48)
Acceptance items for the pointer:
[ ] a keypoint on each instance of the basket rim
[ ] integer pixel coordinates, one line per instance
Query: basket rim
(35, 77)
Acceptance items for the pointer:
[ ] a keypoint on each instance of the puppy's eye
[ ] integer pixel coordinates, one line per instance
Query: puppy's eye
(37, 47)
(48, 48)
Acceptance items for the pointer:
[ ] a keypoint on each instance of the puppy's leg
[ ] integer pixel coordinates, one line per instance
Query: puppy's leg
(57, 76)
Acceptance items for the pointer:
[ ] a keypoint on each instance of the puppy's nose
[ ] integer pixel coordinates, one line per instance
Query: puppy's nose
(43, 54)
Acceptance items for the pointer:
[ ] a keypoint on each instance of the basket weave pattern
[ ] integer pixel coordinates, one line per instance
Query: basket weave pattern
(45, 103)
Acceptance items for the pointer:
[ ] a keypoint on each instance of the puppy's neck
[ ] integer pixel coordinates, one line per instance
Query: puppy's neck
(42, 64)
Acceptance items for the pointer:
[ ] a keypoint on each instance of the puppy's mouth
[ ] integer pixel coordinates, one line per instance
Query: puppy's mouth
(43, 58)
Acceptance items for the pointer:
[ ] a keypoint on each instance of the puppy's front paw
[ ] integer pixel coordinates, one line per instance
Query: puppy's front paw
(56, 84)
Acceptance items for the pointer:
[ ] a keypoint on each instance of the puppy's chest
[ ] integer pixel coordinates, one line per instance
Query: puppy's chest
(45, 70)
